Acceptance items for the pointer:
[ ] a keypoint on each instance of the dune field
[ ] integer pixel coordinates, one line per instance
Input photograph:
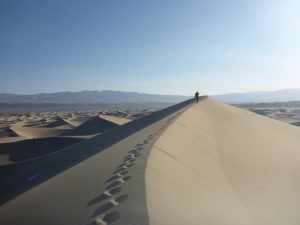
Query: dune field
(194, 164)
(32, 135)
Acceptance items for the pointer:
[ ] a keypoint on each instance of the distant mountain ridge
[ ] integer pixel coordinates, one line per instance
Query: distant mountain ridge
(284, 95)
(86, 97)
(117, 97)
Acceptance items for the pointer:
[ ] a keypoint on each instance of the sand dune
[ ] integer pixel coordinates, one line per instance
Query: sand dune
(92, 126)
(217, 164)
(193, 164)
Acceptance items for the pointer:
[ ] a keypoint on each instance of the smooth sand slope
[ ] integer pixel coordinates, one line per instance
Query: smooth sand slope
(220, 165)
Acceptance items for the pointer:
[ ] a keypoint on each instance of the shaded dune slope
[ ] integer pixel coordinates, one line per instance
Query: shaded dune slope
(98, 181)
(59, 122)
(94, 125)
(7, 132)
(29, 149)
(220, 165)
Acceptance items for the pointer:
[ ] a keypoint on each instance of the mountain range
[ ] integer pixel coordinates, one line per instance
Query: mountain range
(86, 97)
(116, 97)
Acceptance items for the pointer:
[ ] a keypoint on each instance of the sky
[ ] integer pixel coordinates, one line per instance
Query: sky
(157, 46)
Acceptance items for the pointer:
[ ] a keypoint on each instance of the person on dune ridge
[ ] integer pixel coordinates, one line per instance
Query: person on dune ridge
(197, 97)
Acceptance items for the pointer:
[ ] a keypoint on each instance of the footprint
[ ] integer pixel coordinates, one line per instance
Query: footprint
(112, 178)
(121, 165)
(104, 208)
(129, 165)
(114, 184)
(119, 170)
(129, 157)
(98, 199)
(109, 205)
(122, 173)
(150, 136)
(126, 163)
(126, 178)
(133, 151)
(121, 199)
(112, 191)
(131, 160)
(137, 154)
(108, 218)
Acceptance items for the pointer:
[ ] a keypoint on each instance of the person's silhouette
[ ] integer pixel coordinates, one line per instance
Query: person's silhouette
(197, 97)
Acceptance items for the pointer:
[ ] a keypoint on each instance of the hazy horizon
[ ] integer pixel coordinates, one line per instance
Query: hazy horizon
(132, 91)
(163, 47)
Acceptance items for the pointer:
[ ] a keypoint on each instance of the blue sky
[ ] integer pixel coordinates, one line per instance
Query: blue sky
(157, 46)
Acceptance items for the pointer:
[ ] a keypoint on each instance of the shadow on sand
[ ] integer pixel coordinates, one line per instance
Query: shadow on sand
(17, 176)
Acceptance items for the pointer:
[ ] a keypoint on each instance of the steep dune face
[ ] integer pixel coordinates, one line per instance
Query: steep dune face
(220, 165)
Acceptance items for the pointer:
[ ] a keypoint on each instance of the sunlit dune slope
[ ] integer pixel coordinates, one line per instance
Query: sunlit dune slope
(220, 165)
(116, 120)
(37, 132)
